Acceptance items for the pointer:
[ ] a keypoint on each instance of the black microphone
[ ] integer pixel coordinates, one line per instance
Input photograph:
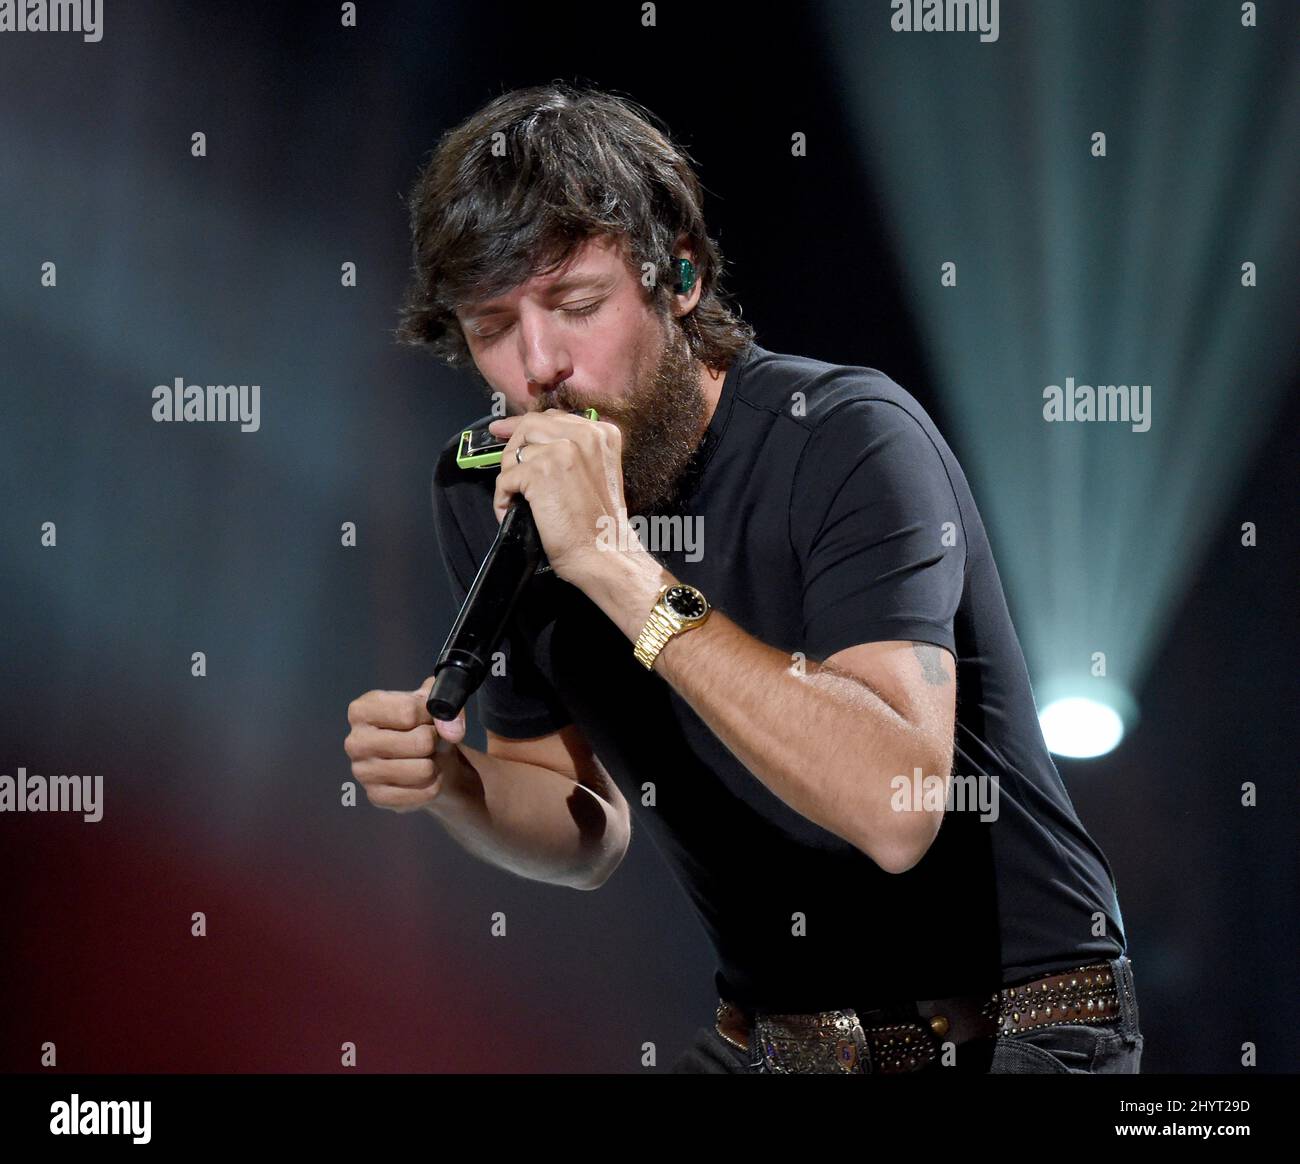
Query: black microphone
(466, 656)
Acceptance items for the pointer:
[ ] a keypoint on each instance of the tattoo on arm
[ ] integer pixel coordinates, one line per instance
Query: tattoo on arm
(931, 664)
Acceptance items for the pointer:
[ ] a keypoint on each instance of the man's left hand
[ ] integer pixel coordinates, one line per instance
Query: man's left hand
(571, 474)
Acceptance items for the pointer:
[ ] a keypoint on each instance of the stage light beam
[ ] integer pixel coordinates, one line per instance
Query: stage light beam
(1079, 728)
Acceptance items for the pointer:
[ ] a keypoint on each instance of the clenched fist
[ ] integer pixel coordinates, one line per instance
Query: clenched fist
(399, 752)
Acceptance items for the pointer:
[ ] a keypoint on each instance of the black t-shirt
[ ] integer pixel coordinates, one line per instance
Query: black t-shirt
(831, 513)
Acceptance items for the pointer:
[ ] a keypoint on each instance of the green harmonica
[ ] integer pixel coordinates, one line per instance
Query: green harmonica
(479, 449)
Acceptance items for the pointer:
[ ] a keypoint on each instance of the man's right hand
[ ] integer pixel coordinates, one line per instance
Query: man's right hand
(399, 752)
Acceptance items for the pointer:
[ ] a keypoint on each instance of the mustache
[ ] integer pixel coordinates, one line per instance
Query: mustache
(562, 397)
(571, 401)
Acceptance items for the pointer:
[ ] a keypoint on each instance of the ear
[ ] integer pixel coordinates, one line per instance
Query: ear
(685, 303)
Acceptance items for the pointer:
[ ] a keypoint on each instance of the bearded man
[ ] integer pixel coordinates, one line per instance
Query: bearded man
(781, 707)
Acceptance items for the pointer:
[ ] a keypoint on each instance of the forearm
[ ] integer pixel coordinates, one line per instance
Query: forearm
(820, 740)
(529, 820)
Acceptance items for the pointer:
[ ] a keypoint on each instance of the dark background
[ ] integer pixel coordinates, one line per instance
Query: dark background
(222, 794)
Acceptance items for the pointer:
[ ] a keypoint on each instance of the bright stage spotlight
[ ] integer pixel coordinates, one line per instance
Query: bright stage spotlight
(1050, 229)
(1080, 728)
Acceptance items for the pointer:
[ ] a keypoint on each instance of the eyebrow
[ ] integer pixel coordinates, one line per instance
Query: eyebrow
(597, 282)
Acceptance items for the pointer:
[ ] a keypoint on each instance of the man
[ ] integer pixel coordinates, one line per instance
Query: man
(789, 684)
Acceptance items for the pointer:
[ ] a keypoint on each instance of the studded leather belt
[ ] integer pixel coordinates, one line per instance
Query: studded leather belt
(884, 1042)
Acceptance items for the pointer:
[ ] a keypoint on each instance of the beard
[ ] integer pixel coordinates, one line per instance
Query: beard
(661, 419)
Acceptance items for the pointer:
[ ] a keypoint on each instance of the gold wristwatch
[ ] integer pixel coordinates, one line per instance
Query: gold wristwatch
(678, 608)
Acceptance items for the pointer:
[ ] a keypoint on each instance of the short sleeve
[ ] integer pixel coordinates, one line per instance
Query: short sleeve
(878, 530)
(515, 700)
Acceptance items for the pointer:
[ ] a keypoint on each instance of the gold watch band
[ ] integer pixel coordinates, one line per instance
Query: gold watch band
(654, 636)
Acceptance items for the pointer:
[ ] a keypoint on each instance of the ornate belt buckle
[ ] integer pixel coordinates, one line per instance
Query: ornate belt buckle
(832, 1042)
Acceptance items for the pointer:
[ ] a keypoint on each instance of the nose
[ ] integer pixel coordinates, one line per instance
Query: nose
(544, 353)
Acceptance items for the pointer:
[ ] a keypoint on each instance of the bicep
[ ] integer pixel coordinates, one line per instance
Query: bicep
(878, 532)
(565, 751)
(917, 679)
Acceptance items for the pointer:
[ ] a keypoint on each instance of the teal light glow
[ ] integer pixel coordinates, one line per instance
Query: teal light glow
(1080, 728)
(1125, 268)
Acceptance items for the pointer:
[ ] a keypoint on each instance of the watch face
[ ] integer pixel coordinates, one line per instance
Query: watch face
(685, 601)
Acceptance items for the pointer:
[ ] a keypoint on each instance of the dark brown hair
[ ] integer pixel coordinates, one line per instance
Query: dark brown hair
(511, 191)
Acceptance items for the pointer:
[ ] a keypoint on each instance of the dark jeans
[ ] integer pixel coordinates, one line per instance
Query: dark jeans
(1064, 1048)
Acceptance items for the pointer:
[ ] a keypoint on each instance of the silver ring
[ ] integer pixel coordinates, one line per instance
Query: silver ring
(519, 455)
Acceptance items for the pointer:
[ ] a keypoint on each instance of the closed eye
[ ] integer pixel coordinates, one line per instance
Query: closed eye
(580, 312)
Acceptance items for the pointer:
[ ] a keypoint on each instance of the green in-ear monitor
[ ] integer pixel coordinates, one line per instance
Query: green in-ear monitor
(480, 449)
(684, 269)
